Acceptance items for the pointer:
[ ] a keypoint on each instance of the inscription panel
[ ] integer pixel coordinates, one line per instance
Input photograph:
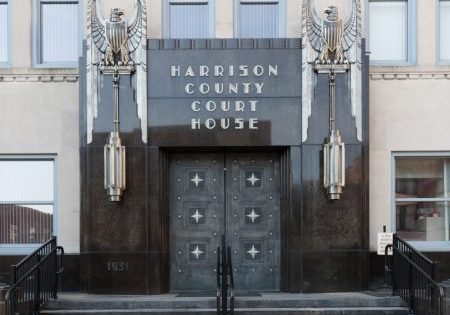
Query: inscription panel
(224, 97)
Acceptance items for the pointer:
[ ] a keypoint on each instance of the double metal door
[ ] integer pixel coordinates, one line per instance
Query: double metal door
(236, 194)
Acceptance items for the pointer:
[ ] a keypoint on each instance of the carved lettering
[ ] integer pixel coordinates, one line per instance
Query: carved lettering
(117, 266)
(195, 106)
(195, 124)
(189, 72)
(175, 71)
(252, 122)
(224, 123)
(253, 85)
(189, 88)
(218, 71)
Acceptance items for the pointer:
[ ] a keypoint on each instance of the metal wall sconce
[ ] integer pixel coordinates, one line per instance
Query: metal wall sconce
(114, 151)
(334, 148)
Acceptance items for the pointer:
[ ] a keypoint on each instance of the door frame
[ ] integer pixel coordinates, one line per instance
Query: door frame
(290, 260)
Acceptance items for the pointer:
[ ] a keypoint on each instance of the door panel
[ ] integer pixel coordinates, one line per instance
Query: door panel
(196, 202)
(253, 220)
(236, 194)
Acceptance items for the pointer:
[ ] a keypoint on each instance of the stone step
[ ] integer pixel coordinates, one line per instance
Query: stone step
(354, 303)
(238, 311)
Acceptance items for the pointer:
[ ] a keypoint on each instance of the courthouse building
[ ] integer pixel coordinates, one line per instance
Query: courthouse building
(224, 131)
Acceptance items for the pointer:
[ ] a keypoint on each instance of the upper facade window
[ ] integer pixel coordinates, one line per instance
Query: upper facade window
(422, 196)
(444, 30)
(259, 19)
(189, 18)
(26, 201)
(56, 33)
(4, 33)
(392, 31)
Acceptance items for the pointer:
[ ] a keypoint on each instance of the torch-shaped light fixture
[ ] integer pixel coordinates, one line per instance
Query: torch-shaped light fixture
(333, 149)
(334, 165)
(114, 153)
(114, 167)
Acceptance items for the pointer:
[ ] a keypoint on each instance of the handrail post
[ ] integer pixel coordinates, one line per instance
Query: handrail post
(37, 297)
(410, 282)
(434, 275)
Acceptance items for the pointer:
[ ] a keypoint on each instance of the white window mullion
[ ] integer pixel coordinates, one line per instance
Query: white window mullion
(444, 30)
(4, 32)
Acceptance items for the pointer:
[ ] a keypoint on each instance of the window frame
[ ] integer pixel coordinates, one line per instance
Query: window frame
(282, 22)
(8, 62)
(211, 12)
(439, 60)
(36, 41)
(426, 246)
(411, 36)
(25, 249)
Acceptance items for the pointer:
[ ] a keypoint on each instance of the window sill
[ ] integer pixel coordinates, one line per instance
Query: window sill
(431, 246)
(56, 65)
(17, 249)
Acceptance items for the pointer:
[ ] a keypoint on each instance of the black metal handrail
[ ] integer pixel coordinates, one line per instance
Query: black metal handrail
(417, 286)
(36, 280)
(426, 264)
(225, 280)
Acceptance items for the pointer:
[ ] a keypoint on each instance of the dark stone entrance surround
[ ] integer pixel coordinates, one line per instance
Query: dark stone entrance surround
(125, 246)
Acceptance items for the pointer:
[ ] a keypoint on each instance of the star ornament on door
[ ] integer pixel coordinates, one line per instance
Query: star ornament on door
(197, 179)
(253, 179)
(197, 252)
(253, 252)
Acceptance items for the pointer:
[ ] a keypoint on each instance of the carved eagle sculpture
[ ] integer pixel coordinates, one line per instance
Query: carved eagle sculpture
(116, 42)
(331, 40)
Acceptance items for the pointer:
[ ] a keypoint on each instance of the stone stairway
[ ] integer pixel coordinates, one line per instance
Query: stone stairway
(266, 303)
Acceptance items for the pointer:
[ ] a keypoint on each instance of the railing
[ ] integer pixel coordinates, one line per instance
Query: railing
(413, 278)
(225, 281)
(35, 279)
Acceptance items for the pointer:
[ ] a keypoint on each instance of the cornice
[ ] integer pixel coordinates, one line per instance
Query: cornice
(45, 78)
(410, 76)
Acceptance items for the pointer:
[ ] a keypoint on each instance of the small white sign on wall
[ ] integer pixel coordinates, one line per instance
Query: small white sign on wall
(384, 239)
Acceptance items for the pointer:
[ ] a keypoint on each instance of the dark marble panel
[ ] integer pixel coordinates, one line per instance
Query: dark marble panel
(332, 271)
(115, 273)
(82, 98)
(376, 271)
(318, 127)
(70, 279)
(130, 125)
(443, 259)
(155, 210)
(6, 269)
(117, 226)
(332, 225)
(295, 219)
(158, 231)
(84, 210)
(158, 273)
